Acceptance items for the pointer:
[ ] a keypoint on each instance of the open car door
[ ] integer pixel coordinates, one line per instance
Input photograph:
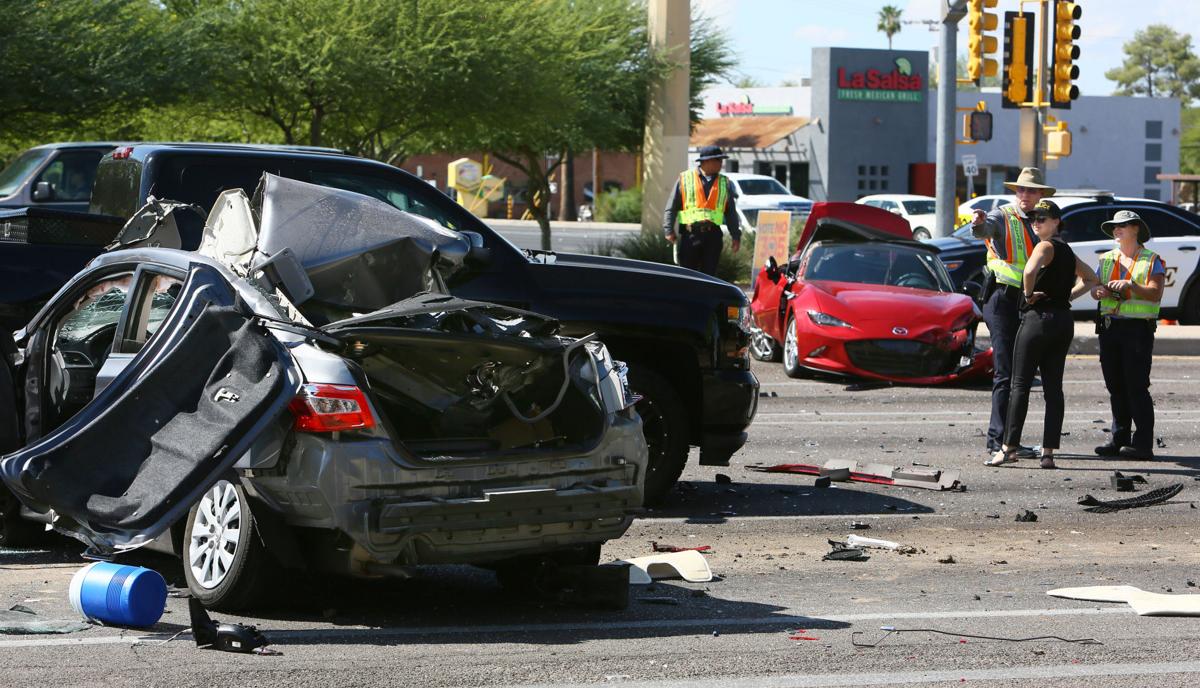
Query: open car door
(209, 382)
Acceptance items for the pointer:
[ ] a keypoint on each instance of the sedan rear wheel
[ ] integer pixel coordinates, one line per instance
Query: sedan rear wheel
(224, 560)
(763, 346)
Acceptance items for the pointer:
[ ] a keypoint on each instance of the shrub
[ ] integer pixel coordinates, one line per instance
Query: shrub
(620, 206)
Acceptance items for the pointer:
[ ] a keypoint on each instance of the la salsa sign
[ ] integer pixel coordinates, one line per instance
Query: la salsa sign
(899, 85)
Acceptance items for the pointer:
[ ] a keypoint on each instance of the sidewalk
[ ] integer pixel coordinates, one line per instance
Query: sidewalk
(1169, 340)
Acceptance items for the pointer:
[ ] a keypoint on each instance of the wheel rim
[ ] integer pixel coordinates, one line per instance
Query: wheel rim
(791, 351)
(216, 535)
(760, 344)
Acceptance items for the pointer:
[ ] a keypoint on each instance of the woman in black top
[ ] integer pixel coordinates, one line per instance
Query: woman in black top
(1047, 327)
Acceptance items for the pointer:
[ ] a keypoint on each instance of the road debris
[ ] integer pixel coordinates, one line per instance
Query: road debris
(1027, 517)
(1155, 496)
(1125, 483)
(21, 620)
(892, 630)
(689, 565)
(859, 525)
(948, 559)
(227, 637)
(843, 553)
(842, 470)
(1142, 602)
(856, 541)
(654, 546)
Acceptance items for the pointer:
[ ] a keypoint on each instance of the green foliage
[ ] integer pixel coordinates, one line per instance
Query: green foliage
(1189, 143)
(889, 22)
(620, 206)
(651, 246)
(1158, 62)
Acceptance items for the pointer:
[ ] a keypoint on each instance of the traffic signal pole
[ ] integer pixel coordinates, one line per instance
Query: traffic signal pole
(946, 124)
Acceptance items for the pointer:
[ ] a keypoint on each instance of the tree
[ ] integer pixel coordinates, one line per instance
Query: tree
(747, 81)
(64, 63)
(1158, 62)
(889, 22)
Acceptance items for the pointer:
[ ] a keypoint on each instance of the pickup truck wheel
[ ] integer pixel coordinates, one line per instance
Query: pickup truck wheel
(763, 346)
(16, 532)
(226, 565)
(665, 425)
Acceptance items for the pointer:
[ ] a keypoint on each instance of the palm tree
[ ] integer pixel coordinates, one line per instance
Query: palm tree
(889, 22)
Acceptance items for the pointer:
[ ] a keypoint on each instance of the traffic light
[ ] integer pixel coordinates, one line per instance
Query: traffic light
(1063, 70)
(979, 46)
(1018, 57)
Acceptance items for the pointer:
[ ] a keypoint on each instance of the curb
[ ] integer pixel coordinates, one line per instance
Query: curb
(1169, 340)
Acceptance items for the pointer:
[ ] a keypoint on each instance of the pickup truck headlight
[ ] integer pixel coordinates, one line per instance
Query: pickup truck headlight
(826, 319)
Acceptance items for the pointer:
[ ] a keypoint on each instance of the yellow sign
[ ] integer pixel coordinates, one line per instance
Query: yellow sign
(770, 239)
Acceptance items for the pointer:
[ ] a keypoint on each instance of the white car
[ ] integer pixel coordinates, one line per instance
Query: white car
(985, 203)
(920, 211)
(757, 192)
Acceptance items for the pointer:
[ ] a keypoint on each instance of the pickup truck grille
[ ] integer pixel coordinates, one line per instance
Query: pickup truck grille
(905, 358)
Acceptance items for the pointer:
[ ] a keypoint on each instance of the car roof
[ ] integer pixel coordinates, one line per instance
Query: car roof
(79, 144)
(201, 145)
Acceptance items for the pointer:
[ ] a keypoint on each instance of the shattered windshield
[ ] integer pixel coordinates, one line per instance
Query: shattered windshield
(15, 174)
(884, 264)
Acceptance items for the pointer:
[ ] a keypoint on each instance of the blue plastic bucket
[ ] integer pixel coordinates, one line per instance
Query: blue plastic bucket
(119, 595)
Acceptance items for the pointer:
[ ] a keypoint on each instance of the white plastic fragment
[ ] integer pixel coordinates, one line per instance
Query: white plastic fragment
(688, 565)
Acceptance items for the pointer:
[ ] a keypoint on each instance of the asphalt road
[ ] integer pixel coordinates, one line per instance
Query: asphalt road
(456, 627)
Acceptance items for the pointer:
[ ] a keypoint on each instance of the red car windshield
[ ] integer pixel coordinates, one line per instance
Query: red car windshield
(885, 264)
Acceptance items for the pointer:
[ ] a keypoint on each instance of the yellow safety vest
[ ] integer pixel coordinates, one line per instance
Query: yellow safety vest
(696, 206)
(1017, 243)
(1111, 269)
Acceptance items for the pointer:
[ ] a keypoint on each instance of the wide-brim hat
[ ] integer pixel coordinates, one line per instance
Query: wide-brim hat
(711, 153)
(1030, 178)
(1123, 217)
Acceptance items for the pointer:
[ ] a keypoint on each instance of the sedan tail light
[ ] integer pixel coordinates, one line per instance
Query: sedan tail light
(331, 408)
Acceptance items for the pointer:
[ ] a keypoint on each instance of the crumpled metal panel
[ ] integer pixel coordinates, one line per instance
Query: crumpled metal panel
(360, 253)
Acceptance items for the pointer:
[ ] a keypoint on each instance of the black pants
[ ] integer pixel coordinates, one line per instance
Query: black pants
(1126, 352)
(1043, 341)
(699, 249)
(1002, 315)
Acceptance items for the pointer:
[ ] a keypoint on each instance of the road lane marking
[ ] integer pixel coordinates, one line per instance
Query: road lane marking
(910, 677)
(774, 621)
(968, 414)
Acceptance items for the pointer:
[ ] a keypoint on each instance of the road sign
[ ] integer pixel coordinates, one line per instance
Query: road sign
(970, 165)
(770, 239)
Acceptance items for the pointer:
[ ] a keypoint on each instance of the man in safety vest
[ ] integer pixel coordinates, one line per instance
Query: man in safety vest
(1010, 239)
(703, 200)
(1131, 287)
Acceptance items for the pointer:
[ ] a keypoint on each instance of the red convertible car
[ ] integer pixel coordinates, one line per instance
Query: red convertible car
(860, 298)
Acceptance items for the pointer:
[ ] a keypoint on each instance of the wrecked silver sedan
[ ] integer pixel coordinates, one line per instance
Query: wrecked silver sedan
(293, 395)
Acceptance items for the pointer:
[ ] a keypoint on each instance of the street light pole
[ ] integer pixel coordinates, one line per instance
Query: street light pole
(946, 103)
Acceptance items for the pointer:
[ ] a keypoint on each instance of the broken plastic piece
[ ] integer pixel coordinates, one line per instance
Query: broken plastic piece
(1142, 602)
(227, 637)
(842, 553)
(1027, 517)
(880, 474)
(1124, 483)
(856, 541)
(689, 565)
(672, 548)
(22, 620)
(1155, 496)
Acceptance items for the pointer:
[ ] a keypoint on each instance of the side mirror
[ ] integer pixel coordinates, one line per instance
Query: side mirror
(479, 254)
(972, 288)
(43, 191)
(772, 269)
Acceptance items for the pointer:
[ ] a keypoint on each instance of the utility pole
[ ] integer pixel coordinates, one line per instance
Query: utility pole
(954, 10)
(667, 126)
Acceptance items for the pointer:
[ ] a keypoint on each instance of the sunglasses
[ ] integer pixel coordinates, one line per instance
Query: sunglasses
(1040, 218)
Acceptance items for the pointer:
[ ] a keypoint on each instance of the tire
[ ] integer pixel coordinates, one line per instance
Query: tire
(225, 562)
(763, 347)
(665, 425)
(1189, 307)
(791, 352)
(921, 234)
(17, 532)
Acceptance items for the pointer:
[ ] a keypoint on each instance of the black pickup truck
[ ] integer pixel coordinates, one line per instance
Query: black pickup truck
(683, 334)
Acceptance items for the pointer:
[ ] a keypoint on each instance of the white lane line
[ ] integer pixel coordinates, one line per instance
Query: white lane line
(777, 620)
(952, 414)
(955, 676)
(828, 385)
(706, 520)
(965, 423)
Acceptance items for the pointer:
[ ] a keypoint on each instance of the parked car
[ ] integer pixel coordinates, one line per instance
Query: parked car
(758, 192)
(920, 211)
(861, 298)
(290, 396)
(1176, 237)
(683, 334)
(966, 211)
(58, 176)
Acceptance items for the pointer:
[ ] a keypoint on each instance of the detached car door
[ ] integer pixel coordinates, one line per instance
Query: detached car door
(205, 382)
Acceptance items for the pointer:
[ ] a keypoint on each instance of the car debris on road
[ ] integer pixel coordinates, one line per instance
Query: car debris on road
(842, 470)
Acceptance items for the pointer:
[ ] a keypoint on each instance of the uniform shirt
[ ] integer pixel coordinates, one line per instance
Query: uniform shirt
(676, 204)
(995, 227)
(1158, 267)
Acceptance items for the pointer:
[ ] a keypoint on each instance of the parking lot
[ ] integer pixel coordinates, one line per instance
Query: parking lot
(777, 613)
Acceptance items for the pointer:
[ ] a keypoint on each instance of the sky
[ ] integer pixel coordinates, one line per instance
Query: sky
(773, 39)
